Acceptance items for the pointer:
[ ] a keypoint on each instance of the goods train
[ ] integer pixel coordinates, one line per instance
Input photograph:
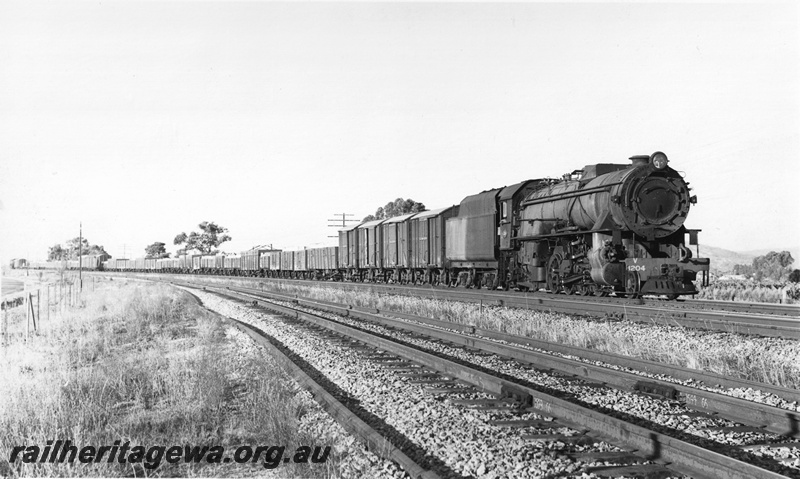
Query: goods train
(87, 263)
(607, 228)
(18, 263)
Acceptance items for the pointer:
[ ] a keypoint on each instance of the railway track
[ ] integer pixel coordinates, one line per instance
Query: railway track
(663, 449)
(683, 304)
(782, 321)
(629, 373)
(745, 318)
(644, 311)
(682, 313)
(789, 310)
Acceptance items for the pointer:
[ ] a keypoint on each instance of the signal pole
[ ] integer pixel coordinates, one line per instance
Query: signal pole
(343, 220)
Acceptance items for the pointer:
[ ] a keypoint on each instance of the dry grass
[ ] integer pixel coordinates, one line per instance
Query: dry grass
(768, 360)
(144, 364)
(752, 291)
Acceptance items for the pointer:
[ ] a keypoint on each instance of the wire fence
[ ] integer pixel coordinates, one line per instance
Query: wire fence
(40, 302)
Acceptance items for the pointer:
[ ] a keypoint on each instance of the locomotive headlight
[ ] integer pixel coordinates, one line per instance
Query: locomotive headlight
(659, 160)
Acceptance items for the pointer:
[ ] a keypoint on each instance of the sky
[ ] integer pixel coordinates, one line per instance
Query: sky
(141, 119)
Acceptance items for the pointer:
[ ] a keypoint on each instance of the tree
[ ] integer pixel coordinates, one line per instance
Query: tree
(396, 208)
(56, 253)
(85, 248)
(743, 269)
(71, 249)
(794, 277)
(206, 242)
(156, 250)
(773, 265)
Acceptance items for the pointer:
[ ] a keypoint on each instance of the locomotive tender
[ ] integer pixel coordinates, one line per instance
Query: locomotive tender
(607, 228)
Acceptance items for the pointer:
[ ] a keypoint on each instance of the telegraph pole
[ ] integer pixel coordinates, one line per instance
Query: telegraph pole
(343, 220)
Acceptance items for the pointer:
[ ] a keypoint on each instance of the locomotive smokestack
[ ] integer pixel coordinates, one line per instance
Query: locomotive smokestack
(640, 160)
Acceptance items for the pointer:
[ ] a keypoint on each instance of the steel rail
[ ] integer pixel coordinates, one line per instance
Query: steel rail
(633, 310)
(750, 308)
(769, 309)
(792, 310)
(679, 455)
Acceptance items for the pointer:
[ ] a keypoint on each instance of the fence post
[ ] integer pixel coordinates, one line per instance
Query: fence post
(39, 305)
(5, 327)
(27, 317)
(33, 313)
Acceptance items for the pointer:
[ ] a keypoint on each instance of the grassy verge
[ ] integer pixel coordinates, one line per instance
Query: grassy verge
(752, 291)
(768, 360)
(145, 365)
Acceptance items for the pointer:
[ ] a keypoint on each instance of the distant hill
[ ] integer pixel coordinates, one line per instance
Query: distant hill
(722, 260)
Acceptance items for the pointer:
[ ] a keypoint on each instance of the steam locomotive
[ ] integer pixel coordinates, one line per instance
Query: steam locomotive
(607, 228)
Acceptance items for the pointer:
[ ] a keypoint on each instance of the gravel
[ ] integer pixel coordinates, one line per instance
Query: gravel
(461, 440)
(456, 440)
(749, 394)
(351, 459)
(682, 421)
